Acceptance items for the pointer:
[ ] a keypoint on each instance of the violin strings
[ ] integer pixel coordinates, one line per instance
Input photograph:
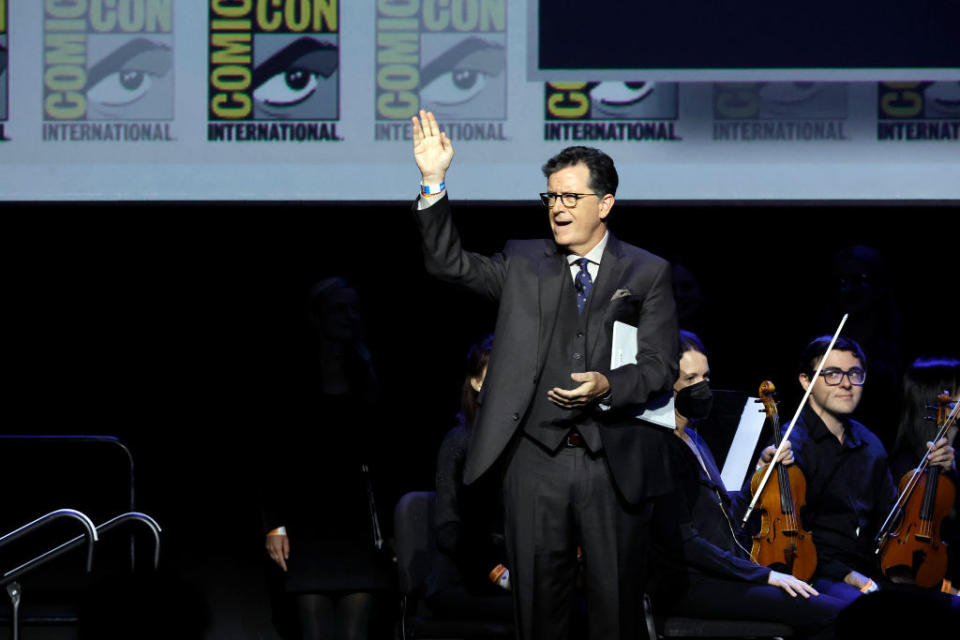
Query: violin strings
(924, 462)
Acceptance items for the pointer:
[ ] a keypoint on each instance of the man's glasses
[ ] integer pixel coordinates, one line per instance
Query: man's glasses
(569, 200)
(834, 376)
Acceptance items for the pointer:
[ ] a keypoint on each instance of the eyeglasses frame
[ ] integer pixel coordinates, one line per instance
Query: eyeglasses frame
(843, 374)
(545, 196)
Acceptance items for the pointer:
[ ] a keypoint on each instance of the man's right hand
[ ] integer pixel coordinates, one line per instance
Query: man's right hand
(856, 579)
(432, 148)
(278, 548)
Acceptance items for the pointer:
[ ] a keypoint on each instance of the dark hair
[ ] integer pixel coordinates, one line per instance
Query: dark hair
(690, 342)
(603, 175)
(477, 359)
(923, 382)
(814, 351)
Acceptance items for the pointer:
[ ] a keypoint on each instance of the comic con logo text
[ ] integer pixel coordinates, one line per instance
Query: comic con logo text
(107, 59)
(273, 60)
(610, 111)
(779, 111)
(919, 111)
(446, 56)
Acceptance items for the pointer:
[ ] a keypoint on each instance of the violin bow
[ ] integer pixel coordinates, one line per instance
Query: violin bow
(783, 440)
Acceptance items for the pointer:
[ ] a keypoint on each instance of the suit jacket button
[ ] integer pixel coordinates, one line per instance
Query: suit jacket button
(516, 416)
(577, 356)
(579, 334)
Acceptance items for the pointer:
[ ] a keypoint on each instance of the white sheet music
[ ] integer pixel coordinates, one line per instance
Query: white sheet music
(740, 456)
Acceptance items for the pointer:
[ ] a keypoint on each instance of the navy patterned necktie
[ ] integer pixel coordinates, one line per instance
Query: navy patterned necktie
(583, 284)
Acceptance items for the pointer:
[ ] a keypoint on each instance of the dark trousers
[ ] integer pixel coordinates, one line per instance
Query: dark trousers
(840, 590)
(709, 597)
(553, 503)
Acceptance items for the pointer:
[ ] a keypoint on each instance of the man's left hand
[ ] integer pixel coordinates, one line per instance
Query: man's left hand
(594, 385)
(786, 456)
(941, 454)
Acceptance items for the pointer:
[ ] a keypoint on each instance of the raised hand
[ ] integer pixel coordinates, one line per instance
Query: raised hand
(432, 148)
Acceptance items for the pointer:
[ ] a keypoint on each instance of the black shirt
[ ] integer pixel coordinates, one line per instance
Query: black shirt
(849, 493)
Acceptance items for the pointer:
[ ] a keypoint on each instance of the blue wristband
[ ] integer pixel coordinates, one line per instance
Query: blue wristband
(432, 190)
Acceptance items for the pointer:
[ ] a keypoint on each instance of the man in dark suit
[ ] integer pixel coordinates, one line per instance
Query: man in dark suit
(577, 469)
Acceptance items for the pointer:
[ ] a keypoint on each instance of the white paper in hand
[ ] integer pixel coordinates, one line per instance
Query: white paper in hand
(659, 410)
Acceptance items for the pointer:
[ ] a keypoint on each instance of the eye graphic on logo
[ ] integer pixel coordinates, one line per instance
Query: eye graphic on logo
(292, 75)
(942, 99)
(127, 75)
(621, 94)
(790, 93)
(461, 73)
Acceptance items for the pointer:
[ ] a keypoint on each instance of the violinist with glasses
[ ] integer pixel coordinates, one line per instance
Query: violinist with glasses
(849, 487)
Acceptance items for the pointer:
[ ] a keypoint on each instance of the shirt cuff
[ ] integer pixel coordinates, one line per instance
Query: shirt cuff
(279, 531)
(606, 402)
(425, 202)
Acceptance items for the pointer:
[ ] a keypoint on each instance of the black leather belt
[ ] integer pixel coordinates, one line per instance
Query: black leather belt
(574, 439)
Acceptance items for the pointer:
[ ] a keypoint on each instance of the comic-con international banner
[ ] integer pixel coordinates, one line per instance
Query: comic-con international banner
(611, 111)
(4, 58)
(445, 56)
(273, 71)
(918, 111)
(779, 111)
(108, 70)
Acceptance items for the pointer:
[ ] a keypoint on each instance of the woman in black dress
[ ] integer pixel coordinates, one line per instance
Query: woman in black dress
(321, 521)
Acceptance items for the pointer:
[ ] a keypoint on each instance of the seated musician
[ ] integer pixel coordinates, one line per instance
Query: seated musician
(923, 382)
(468, 521)
(704, 569)
(849, 487)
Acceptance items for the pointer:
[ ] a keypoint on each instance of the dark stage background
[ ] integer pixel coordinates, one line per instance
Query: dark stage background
(179, 328)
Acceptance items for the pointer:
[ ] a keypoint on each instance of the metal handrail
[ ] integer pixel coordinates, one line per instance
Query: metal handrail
(110, 439)
(69, 545)
(91, 530)
(94, 438)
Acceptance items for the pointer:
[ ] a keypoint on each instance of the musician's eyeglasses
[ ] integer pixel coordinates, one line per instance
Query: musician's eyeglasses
(834, 376)
(569, 200)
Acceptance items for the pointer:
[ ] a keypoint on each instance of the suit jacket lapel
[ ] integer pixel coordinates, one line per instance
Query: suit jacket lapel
(550, 273)
(609, 275)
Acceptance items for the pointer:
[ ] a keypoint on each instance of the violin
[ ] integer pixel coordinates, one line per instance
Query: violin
(782, 542)
(926, 497)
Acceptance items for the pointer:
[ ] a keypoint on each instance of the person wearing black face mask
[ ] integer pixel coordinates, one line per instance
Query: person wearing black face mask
(704, 571)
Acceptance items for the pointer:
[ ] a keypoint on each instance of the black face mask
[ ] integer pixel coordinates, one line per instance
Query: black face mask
(695, 401)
